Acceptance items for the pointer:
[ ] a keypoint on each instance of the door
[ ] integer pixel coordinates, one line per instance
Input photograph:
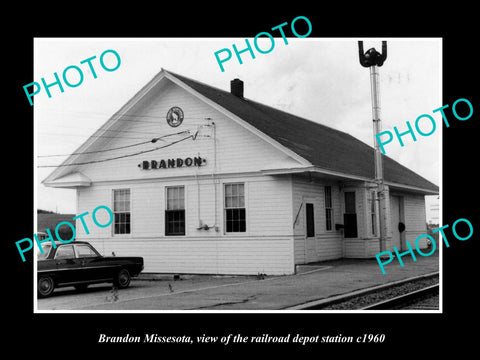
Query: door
(69, 269)
(310, 248)
(350, 216)
(395, 216)
(94, 266)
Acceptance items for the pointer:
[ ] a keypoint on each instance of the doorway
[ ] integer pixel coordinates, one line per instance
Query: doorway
(311, 210)
(350, 215)
(396, 207)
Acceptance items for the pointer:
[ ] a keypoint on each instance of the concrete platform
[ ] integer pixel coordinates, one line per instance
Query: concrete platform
(312, 282)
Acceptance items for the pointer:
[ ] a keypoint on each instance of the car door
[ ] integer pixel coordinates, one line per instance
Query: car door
(94, 267)
(68, 266)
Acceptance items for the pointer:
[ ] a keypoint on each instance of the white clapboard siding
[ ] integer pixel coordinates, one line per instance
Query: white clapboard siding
(266, 247)
(328, 244)
(268, 255)
(361, 248)
(269, 206)
(372, 247)
(299, 249)
(237, 149)
(355, 248)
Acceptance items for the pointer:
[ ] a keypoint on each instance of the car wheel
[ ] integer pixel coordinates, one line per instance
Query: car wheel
(122, 279)
(45, 287)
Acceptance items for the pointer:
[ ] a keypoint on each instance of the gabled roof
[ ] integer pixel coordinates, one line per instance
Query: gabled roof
(321, 145)
(326, 149)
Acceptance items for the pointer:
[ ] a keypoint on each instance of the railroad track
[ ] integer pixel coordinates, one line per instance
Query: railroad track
(407, 300)
(420, 292)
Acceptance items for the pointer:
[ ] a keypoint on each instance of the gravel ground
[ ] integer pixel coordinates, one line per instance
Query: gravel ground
(429, 303)
(368, 299)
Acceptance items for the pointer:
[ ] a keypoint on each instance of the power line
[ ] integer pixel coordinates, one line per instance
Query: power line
(97, 151)
(117, 148)
(93, 136)
(119, 157)
(115, 131)
(106, 129)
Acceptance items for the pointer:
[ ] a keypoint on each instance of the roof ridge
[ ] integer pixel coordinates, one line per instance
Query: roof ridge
(320, 144)
(262, 104)
(316, 143)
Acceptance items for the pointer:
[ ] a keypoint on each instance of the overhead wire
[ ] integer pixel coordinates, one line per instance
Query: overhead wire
(153, 140)
(146, 130)
(93, 136)
(121, 156)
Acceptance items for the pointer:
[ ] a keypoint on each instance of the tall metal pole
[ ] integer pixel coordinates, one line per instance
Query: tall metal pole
(377, 128)
(373, 59)
(377, 125)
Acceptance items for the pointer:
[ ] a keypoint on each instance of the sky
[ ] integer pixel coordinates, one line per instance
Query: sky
(315, 78)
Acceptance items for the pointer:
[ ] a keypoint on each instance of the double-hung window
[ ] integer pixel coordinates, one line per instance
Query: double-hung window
(121, 211)
(175, 211)
(235, 213)
(373, 214)
(328, 208)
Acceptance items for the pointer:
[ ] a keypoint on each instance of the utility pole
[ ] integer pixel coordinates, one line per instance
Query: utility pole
(373, 59)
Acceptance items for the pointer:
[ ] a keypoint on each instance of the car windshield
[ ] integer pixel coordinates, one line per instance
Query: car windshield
(46, 251)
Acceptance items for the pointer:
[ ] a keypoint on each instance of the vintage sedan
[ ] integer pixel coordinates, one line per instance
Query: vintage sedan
(79, 264)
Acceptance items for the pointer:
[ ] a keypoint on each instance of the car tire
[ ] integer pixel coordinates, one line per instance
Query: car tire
(122, 280)
(45, 286)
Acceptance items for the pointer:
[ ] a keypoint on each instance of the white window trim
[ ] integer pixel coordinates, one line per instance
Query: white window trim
(185, 202)
(332, 208)
(224, 218)
(373, 200)
(113, 210)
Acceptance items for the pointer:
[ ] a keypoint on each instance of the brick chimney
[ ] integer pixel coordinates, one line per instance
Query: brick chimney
(236, 88)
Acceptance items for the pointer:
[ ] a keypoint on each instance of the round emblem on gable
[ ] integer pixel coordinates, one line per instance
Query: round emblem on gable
(175, 116)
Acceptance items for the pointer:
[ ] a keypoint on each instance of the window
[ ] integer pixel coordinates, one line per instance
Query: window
(310, 220)
(65, 252)
(373, 214)
(328, 208)
(121, 210)
(46, 251)
(235, 219)
(84, 251)
(175, 211)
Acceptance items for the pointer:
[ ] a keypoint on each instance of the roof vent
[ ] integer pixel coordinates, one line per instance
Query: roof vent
(236, 87)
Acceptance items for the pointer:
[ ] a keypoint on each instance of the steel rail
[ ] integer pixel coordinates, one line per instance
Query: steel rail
(404, 299)
(321, 303)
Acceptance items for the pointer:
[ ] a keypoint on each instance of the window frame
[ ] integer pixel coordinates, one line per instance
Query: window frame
(225, 208)
(327, 208)
(169, 211)
(79, 246)
(310, 231)
(129, 212)
(66, 246)
(373, 213)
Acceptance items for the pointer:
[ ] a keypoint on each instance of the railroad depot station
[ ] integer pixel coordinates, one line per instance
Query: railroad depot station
(226, 185)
